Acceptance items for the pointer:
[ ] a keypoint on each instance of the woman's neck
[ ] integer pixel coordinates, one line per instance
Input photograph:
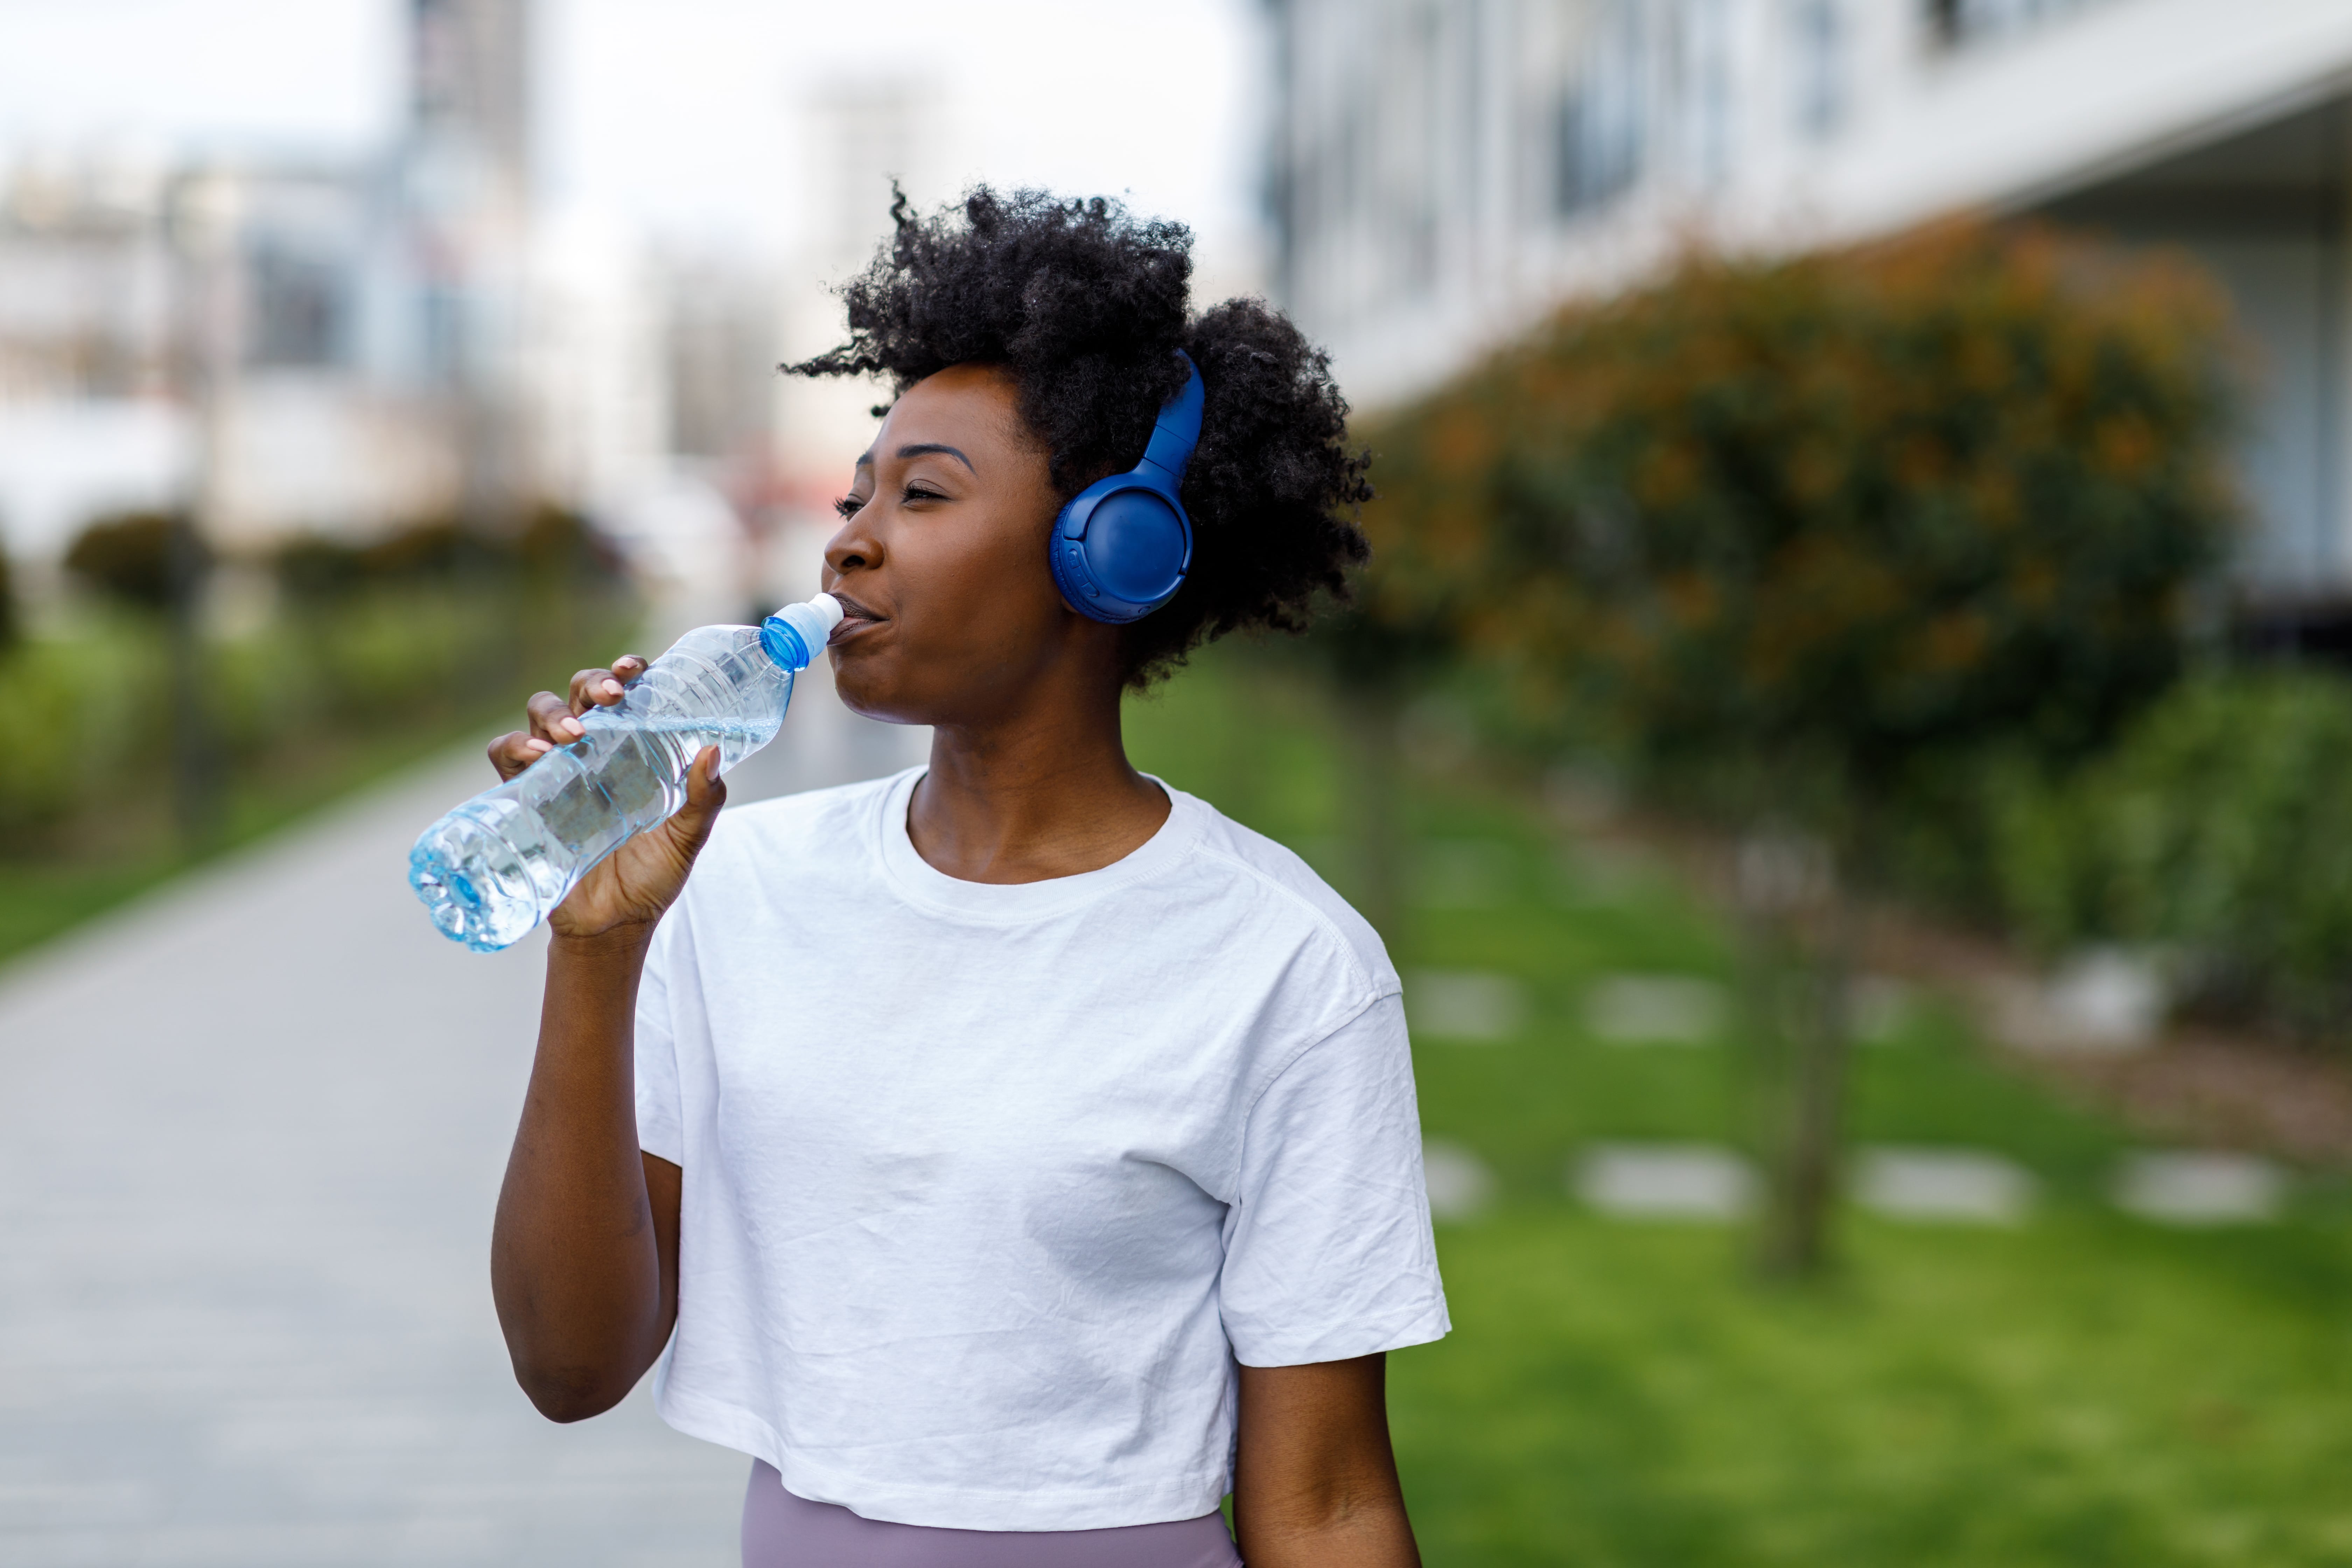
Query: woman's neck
(1043, 794)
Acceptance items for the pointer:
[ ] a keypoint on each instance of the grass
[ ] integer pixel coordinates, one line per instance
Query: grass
(2084, 1388)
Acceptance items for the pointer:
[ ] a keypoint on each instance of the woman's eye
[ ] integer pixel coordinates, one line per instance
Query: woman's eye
(846, 507)
(923, 492)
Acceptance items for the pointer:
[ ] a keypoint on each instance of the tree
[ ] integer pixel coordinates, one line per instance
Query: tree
(157, 562)
(1794, 535)
(11, 628)
(1374, 653)
(149, 560)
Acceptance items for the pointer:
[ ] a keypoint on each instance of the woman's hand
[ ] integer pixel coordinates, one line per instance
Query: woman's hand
(555, 721)
(630, 888)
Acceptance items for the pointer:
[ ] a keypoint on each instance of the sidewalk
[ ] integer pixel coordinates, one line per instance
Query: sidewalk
(251, 1131)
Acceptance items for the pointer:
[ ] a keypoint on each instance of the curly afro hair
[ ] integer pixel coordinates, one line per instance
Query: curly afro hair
(1085, 306)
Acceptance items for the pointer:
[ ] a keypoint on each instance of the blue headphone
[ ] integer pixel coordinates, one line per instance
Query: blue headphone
(1121, 546)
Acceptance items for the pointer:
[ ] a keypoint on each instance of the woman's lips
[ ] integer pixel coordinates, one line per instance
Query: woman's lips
(854, 618)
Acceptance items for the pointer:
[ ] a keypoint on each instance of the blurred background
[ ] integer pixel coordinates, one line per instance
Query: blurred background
(1845, 733)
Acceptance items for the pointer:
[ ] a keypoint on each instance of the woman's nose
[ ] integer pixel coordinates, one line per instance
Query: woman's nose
(857, 548)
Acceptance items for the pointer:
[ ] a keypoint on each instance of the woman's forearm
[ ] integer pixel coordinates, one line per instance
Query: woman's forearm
(1315, 1480)
(1377, 1535)
(576, 1260)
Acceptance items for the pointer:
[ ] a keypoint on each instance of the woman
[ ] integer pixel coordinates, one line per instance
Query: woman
(1014, 1155)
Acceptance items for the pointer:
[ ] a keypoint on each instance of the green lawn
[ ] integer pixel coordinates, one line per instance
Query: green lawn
(2084, 1388)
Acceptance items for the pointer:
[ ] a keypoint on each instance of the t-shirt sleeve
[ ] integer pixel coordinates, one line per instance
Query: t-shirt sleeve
(1327, 1247)
(660, 1123)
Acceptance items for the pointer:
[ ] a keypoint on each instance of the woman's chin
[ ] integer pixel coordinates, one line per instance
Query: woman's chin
(864, 691)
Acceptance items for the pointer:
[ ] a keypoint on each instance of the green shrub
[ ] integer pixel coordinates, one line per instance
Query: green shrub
(315, 570)
(555, 546)
(86, 716)
(12, 625)
(1806, 530)
(559, 545)
(137, 558)
(2219, 827)
(87, 768)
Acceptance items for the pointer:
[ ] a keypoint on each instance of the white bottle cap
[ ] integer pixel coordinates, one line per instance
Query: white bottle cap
(795, 635)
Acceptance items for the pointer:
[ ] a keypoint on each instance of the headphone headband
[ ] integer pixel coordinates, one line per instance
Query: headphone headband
(1177, 429)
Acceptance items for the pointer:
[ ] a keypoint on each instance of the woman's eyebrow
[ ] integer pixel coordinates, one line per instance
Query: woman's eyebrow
(920, 448)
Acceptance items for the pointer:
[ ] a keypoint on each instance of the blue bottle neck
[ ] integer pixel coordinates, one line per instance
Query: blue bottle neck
(793, 636)
(782, 644)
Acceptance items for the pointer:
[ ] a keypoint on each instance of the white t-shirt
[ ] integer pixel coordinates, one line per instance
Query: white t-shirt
(986, 1187)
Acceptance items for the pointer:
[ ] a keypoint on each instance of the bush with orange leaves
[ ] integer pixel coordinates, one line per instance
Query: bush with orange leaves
(1791, 532)
(1807, 540)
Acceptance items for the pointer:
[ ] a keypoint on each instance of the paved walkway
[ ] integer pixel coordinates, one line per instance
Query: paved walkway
(250, 1134)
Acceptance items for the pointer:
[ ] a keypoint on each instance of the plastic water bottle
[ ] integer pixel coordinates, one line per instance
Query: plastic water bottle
(494, 868)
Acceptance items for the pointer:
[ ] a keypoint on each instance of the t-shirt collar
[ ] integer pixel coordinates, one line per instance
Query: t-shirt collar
(925, 884)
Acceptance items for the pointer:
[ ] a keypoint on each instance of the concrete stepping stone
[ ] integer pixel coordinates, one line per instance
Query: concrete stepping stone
(1963, 1186)
(1465, 1006)
(2195, 1188)
(1460, 1184)
(1664, 1181)
(1655, 1010)
(1878, 1009)
(2102, 1002)
(1580, 799)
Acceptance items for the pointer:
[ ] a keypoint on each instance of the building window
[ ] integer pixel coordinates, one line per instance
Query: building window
(1818, 39)
(1706, 91)
(1420, 158)
(297, 310)
(1957, 23)
(1599, 142)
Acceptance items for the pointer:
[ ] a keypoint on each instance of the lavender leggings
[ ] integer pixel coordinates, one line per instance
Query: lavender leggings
(780, 1531)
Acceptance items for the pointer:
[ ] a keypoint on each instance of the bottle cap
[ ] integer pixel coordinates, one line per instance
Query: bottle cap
(794, 634)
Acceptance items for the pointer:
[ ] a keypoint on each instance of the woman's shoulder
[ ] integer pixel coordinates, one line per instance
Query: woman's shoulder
(1277, 878)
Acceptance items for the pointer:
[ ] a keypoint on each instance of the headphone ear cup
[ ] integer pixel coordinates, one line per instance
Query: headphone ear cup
(1066, 557)
(1119, 549)
(1137, 546)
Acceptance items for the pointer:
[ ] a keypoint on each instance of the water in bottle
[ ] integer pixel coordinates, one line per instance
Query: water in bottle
(492, 868)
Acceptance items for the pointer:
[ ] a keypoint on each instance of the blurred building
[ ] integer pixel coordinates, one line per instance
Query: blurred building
(292, 346)
(1445, 171)
(856, 139)
(721, 338)
(227, 335)
(467, 202)
(86, 347)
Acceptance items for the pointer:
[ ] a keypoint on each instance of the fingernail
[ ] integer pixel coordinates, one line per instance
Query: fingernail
(535, 744)
(611, 689)
(576, 726)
